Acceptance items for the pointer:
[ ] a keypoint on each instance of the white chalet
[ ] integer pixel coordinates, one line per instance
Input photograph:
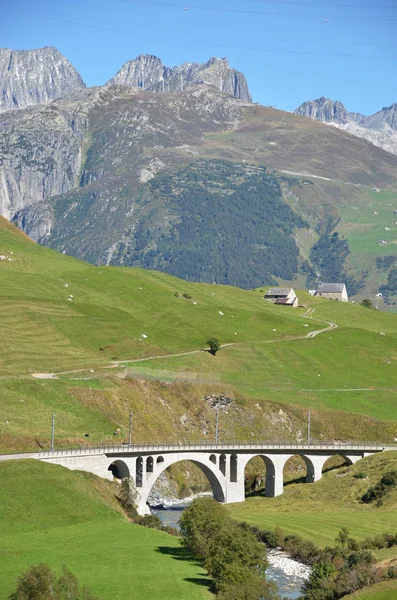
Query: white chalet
(333, 291)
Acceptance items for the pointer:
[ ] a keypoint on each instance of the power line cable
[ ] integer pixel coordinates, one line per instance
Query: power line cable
(258, 12)
(201, 43)
(316, 4)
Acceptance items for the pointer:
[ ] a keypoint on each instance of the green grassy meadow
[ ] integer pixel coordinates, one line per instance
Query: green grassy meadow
(318, 511)
(60, 517)
(363, 223)
(387, 590)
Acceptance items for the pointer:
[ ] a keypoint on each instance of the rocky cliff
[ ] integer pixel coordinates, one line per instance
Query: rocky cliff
(149, 73)
(30, 77)
(325, 110)
(385, 120)
(41, 149)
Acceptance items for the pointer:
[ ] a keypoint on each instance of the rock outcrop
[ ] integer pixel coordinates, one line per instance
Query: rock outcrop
(31, 77)
(385, 120)
(149, 73)
(325, 110)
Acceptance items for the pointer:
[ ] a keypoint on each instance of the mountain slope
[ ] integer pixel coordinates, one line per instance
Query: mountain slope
(379, 129)
(149, 73)
(30, 77)
(119, 140)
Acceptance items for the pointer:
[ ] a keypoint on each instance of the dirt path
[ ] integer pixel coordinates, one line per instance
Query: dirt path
(307, 315)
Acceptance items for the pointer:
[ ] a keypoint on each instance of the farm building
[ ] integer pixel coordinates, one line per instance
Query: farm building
(284, 296)
(333, 291)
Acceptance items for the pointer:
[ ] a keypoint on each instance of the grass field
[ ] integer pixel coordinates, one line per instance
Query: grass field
(60, 517)
(318, 511)
(386, 590)
(364, 224)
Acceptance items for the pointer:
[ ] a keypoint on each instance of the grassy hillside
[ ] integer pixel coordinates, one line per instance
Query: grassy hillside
(317, 511)
(60, 313)
(386, 590)
(74, 520)
(64, 316)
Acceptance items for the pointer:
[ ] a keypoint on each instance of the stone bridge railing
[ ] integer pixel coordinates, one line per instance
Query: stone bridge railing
(147, 447)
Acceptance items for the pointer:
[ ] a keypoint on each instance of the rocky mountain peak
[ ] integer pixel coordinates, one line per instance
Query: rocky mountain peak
(148, 72)
(325, 110)
(30, 77)
(385, 120)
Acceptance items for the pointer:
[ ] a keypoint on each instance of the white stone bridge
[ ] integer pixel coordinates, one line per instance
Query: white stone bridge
(223, 464)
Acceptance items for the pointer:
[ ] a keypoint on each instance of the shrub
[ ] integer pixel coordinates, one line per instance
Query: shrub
(378, 491)
(40, 583)
(366, 303)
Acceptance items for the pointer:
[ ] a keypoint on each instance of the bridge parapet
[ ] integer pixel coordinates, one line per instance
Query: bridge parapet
(145, 448)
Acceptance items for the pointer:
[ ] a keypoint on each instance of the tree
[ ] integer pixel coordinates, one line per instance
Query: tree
(214, 345)
(231, 554)
(128, 496)
(241, 583)
(40, 583)
(366, 303)
(342, 537)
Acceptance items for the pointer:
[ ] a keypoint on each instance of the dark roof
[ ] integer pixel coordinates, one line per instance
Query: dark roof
(278, 291)
(331, 288)
(284, 300)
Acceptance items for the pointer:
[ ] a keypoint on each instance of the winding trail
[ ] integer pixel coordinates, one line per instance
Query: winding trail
(307, 315)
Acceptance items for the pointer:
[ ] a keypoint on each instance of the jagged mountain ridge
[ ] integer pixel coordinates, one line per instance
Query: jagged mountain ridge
(380, 128)
(324, 110)
(31, 77)
(149, 73)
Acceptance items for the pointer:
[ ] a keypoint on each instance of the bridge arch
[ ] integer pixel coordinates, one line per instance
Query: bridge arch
(336, 461)
(297, 468)
(119, 469)
(204, 463)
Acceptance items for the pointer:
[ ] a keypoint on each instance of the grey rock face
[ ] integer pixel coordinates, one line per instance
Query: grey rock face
(149, 73)
(385, 120)
(37, 219)
(41, 150)
(31, 77)
(324, 109)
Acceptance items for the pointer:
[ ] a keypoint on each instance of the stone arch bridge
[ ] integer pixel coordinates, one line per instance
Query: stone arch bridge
(223, 464)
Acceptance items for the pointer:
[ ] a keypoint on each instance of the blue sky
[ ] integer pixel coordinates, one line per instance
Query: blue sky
(287, 50)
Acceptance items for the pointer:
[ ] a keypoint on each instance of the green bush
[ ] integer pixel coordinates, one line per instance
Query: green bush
(41, 583)
(378, 491)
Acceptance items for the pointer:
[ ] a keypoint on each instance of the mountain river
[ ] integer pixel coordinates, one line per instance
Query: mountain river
(288, 574)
